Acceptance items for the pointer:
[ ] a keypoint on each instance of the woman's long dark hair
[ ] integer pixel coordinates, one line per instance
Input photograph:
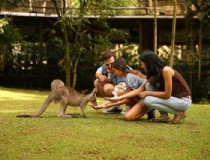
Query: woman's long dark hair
(153, 63)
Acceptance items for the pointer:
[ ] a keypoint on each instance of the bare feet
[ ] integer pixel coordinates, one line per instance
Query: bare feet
(177, 118)
(163, 118)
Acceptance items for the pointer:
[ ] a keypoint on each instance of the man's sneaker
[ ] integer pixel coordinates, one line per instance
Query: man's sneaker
(113, 110)
(126, 110)
(151, 115)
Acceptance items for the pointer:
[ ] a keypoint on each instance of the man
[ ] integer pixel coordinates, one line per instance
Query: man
(106, 80)
(126, 80)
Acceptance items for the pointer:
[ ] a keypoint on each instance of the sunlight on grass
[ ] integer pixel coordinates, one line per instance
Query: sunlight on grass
(11, 111)
(20, 95)
(8, 95)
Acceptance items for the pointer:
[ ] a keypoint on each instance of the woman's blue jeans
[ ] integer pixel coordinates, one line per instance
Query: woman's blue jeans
(172, 105)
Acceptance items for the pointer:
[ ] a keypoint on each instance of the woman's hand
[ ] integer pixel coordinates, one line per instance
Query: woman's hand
(104, 105)
(110, 99)
(142, 95)
(96, 107)
(113, 99)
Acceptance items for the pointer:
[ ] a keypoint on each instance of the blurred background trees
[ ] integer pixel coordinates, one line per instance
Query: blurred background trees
(70, 46)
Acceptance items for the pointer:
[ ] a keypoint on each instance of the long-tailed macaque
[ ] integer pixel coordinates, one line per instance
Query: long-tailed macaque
(65, 96)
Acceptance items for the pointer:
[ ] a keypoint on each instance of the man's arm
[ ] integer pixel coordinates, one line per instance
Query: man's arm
(100, 76)
(98, 72)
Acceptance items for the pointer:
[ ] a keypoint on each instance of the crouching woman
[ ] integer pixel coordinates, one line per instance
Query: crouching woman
(165, 90)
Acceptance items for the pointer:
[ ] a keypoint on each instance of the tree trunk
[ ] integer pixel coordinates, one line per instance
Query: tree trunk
(155, 26)
(200, 46)
(61, 12)
(173, 35)
(67, 61)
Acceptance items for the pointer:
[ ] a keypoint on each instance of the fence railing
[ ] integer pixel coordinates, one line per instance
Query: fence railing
(163, 8)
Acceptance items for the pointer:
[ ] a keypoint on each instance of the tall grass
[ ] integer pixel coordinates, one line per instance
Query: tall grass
(98, 137)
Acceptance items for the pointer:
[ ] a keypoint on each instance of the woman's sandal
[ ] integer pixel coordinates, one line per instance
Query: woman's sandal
(177, 118)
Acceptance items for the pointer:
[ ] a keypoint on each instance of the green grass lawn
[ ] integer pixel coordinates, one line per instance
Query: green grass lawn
(98, 137)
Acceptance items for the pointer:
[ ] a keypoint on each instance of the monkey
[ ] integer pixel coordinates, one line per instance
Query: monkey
(65, 96)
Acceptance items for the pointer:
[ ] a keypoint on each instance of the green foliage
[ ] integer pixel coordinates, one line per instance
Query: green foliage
(97, 137)
(3, 22)
(55, 49)
(78, 37)
(202, 11)
(130, 54)
(8, 38)
(10, 4)
(11, 35)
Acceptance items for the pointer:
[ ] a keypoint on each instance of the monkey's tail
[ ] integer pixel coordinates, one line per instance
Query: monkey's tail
(41, 110)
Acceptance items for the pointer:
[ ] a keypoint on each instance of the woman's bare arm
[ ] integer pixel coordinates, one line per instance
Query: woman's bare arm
(131, 94)
(167, 73)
